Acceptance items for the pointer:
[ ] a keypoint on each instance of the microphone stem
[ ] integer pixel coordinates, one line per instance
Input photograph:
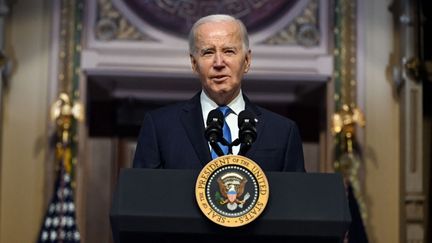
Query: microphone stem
(216, 148)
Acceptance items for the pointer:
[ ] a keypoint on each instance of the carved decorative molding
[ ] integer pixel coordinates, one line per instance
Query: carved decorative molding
(119, 41)
(303, 30)
(112, 25)
(177, 17)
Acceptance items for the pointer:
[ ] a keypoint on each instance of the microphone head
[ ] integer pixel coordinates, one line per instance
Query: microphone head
(248, 117)
(247, 127)
(215, 122)
(215, 116)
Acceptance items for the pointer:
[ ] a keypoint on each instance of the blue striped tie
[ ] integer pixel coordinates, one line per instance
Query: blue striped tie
(226, 131)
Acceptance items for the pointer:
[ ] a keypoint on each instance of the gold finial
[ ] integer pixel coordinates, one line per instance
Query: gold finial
(63, 107)
(348, 159)
(63, 112)
(346, 119)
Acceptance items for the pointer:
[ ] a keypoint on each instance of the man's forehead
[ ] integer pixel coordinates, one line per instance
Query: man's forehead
(215, 29)
(232, 25)
(228, 35)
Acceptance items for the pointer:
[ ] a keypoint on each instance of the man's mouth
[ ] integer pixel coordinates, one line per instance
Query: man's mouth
(219, 78)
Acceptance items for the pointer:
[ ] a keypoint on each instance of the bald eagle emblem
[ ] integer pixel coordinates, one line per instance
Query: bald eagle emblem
(231, 188)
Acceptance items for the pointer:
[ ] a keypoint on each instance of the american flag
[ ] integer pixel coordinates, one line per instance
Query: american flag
(59, 225)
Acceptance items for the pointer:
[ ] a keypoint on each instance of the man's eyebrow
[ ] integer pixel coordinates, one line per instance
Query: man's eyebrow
(205, 49)
(230, 48)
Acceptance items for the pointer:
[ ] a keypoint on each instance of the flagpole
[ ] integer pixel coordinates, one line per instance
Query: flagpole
(348, 117)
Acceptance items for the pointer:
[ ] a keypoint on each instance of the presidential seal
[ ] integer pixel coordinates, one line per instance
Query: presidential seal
(232, 190)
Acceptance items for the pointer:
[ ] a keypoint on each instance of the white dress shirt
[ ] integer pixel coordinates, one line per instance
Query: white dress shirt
(237, 105)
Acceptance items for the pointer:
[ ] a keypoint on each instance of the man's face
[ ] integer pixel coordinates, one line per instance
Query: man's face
(220, 60)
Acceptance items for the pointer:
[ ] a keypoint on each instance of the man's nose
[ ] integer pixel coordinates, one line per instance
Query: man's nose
(219, 61)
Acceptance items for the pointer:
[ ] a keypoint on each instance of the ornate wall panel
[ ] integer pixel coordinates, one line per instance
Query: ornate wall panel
(406, 64)
(289, 39)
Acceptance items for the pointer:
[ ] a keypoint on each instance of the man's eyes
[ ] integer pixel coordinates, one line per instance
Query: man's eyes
(207, 53)
(230, 51)
(211, 52)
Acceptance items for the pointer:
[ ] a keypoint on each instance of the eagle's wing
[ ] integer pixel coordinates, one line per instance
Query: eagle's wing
(241, 187)
(222, 188)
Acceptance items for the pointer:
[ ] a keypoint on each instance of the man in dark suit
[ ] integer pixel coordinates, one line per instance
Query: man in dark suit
(173, 137)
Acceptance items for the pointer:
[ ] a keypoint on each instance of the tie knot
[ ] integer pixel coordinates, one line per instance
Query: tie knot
(225, 110)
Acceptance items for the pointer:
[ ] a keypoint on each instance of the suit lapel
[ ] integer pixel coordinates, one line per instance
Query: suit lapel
(192, 119)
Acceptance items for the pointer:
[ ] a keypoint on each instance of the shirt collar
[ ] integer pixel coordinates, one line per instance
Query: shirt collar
(237, 104)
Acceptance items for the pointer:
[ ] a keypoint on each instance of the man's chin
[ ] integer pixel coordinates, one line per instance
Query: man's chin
(222, 97)
(223, 93)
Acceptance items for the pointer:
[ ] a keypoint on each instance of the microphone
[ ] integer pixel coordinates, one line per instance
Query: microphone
(247, 128)
(213, 132)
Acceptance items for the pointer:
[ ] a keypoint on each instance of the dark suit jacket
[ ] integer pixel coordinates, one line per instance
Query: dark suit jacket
(173, 137)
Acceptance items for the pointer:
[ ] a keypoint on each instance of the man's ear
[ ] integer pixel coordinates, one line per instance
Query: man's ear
(248, 60)
(193, 63)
